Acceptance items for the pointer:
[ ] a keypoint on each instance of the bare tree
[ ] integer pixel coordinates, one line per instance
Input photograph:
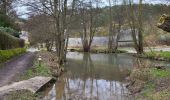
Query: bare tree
(7, 7)
(135, 23)
(58, 10)
(88, 15)
(111, 28)
(119, 19)
(41, 28)
(115, 23)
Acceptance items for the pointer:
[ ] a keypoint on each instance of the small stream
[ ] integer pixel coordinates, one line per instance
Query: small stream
(96, 77)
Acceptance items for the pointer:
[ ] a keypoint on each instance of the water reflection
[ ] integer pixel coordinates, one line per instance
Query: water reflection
(94, 77)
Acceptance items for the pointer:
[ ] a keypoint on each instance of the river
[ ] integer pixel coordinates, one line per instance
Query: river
(96, 77)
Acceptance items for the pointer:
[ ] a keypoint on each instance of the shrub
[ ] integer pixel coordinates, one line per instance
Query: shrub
(10, 31)
(8, 54)
(9, 42)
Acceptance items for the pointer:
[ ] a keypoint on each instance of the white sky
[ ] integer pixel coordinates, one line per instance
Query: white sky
(22, 10)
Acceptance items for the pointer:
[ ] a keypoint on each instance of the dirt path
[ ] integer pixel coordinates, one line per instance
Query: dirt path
(10, 70)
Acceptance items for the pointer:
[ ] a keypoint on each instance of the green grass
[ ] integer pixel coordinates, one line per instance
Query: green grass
(148, 89)
(36, 70)
(159, 73)
(161, 95)
(149, 93)
(8, 54)
(164, 54)
(151, 77)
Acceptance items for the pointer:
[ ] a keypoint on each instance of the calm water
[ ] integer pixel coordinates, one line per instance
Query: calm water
(95, 77)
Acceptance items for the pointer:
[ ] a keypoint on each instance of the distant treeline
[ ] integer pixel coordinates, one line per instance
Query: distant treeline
(150, 16)
(8, 41)
(149, 12)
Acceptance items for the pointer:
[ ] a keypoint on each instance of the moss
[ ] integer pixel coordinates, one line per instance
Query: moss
(21, 95)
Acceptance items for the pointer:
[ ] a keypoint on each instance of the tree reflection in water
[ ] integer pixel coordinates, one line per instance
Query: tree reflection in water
(94, 77)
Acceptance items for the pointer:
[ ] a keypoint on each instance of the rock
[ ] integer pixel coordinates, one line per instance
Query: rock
(33, 85)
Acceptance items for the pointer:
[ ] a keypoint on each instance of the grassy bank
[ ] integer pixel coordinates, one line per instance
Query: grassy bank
(158, 88)
(8, 54)
(36, 70)
(150, 84)
(164, 54)
(155, 55)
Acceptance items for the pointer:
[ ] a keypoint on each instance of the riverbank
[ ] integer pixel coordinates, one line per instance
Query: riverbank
(155, 55)
(143, 80)
(150, 83)
(96, 50)
(39, 69)
(103, 49)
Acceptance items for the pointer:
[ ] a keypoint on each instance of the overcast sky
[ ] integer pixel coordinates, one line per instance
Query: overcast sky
(22, 10)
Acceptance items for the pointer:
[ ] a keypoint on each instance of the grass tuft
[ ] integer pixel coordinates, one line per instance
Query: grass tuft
(36, 70)
(159, 73)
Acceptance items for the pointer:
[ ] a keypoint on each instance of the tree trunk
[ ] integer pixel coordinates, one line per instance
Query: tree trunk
(110, 41)
(86, 49)
(140, 35)
(49, 45)
(86, 46)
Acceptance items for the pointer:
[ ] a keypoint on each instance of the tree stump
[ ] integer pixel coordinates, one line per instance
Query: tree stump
(164, 23)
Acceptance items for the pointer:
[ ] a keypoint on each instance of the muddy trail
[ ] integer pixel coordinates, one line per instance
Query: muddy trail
(15, 67)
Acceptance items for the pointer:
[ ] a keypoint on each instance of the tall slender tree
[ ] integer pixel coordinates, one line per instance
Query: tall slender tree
(135, 23)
